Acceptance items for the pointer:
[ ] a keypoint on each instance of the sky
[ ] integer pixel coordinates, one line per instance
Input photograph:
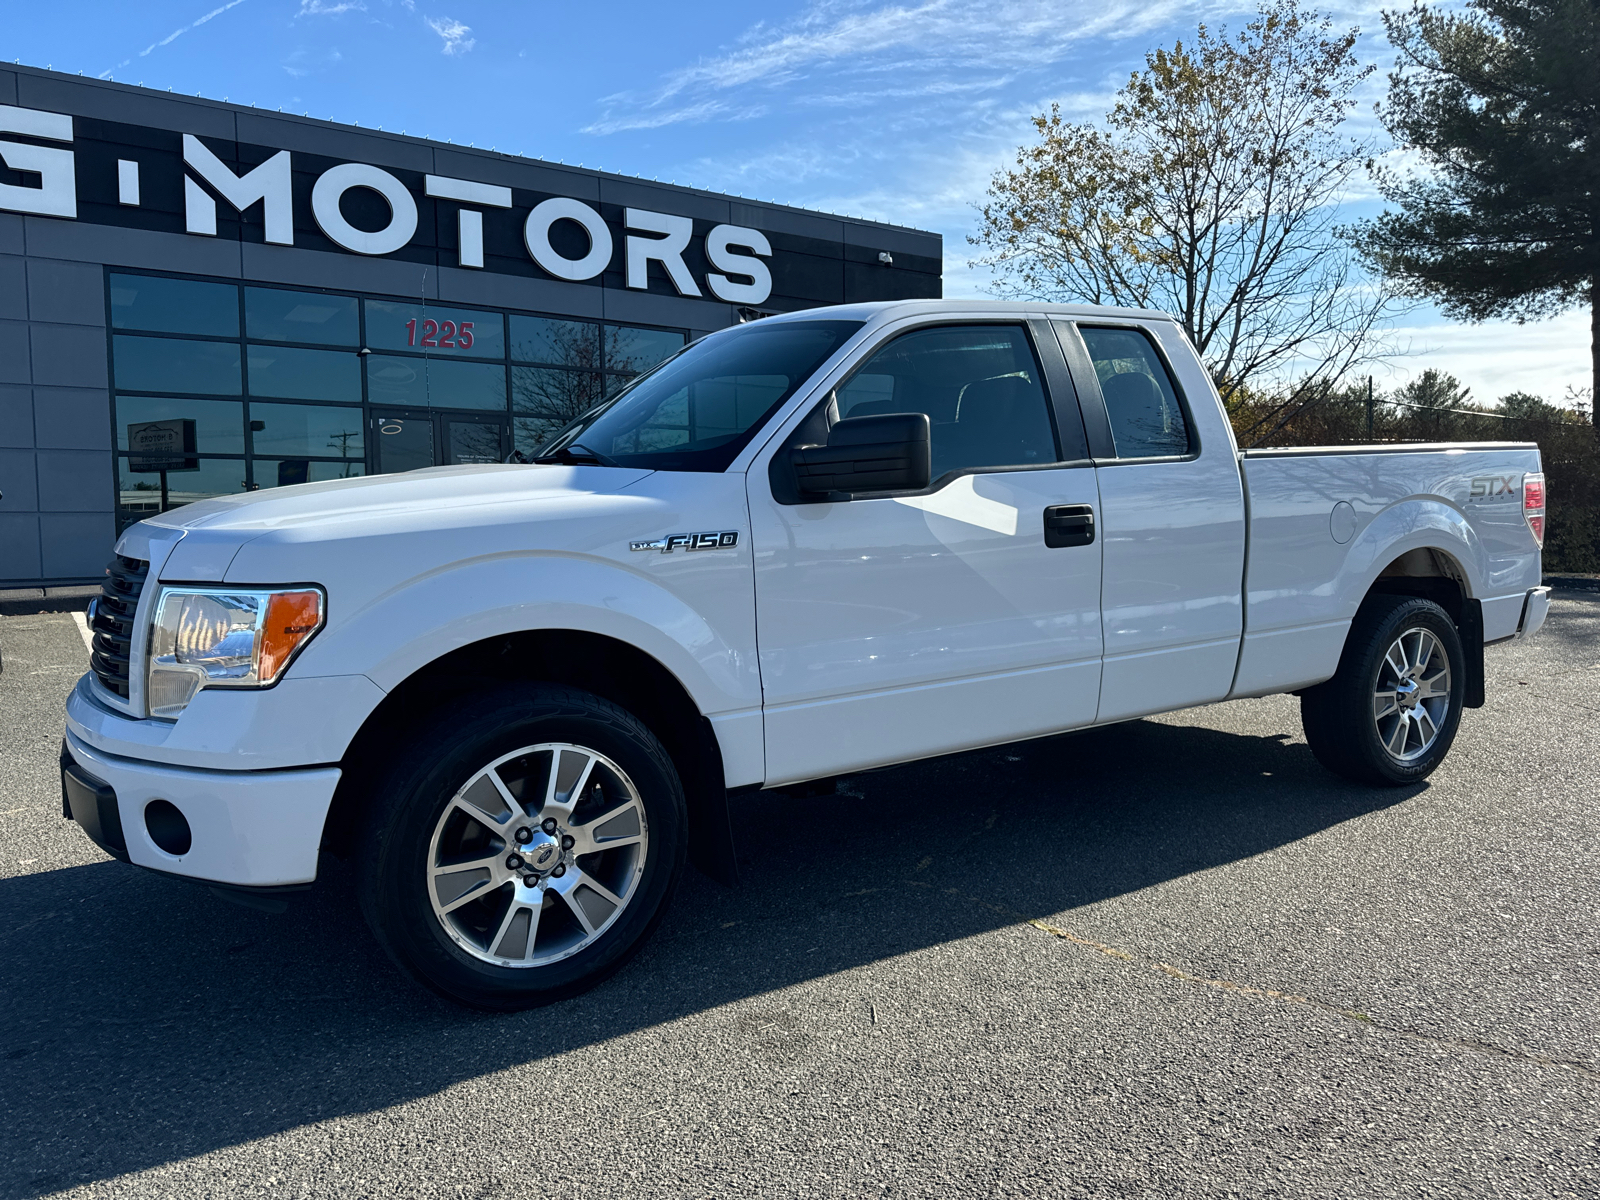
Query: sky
(897, 111)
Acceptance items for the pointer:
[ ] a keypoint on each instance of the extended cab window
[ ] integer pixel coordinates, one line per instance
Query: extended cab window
(979, 385)
(1146, 419)
(696, 410)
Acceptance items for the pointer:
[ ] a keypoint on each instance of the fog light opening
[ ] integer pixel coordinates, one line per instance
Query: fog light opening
(169, 828)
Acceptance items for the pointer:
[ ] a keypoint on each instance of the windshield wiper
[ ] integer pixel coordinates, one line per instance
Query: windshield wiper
(577, 453)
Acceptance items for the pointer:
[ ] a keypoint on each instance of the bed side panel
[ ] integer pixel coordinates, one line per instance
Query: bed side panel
(1324, 526)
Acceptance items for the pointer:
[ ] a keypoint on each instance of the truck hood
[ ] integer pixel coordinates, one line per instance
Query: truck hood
(436, 499)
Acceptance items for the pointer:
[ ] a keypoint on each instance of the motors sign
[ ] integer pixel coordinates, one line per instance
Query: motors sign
(735, 253)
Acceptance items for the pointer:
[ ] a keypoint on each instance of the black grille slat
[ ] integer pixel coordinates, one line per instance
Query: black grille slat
(111, 660)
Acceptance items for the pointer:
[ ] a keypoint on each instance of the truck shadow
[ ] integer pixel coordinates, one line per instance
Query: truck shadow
(145, 1021)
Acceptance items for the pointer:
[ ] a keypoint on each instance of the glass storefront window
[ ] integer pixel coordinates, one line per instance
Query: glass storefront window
(434, 330)
(306, 429)
(283, 472)
(435, 383)
(139, 492)
(218, 424)
(559, 343)
(295, 374)
(319, 320)
(635, 350)
(284, 392)
(174, 306)
(176, 365)
(546, 401)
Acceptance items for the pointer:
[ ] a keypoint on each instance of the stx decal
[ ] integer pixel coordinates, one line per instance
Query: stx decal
(1493, 485)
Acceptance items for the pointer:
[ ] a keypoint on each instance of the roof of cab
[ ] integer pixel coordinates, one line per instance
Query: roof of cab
(887, 309)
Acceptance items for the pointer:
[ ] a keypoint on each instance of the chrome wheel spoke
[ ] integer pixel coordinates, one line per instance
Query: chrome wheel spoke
(570, 769)
(1384, 703)
(1419, 662)
(461, 882)
(622, 825)
(1426, 729)
(591, 902)
(518, 928)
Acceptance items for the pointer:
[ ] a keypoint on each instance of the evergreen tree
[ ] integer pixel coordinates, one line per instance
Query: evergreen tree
(1503, 103)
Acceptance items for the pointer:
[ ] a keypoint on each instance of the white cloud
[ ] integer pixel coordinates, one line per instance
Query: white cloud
(305, 62)
(1498, 357)
(320, 8)
(899, 51)
(454, 34)
(173, 36)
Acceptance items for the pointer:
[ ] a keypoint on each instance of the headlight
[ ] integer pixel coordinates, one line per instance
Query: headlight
(225, 637)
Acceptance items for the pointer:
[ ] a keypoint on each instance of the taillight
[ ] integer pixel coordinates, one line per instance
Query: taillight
(1533, 505)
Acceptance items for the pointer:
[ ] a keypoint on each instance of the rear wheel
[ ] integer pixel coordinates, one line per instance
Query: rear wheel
(1390, 714)
(524, 848)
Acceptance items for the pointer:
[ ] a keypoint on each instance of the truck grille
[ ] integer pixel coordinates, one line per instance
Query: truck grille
(111, 660)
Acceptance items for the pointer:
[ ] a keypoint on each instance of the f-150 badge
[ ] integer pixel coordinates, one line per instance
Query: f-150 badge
(690, 541)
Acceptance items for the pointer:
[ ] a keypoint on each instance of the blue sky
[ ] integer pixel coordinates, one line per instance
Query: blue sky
(896, 111)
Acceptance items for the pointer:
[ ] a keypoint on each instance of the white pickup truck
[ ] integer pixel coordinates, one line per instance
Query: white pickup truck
(519, 696)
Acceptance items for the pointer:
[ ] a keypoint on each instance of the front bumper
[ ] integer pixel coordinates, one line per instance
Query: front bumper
(246, 828)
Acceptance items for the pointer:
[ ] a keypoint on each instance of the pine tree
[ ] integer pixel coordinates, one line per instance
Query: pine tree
(1502, 102)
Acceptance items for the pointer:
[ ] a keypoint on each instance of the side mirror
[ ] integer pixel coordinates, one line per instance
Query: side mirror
(890, 452)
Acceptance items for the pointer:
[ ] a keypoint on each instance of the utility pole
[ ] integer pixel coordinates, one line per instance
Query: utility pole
(1369, 408)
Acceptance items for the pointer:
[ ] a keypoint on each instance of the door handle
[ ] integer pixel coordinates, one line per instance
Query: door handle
(1069, 525)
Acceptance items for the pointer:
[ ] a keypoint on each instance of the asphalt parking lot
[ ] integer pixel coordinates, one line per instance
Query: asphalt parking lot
(1172, 958)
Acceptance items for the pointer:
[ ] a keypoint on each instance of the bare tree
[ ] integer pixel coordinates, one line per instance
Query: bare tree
(1210, 192)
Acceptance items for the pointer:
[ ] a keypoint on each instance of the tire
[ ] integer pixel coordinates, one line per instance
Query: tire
(1375, 722)
(552, 891)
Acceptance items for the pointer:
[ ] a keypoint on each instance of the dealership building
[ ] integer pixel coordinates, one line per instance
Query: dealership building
(199, 299)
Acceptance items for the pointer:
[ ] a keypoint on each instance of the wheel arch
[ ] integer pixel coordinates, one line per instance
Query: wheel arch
(1435, 573)
(606, 666)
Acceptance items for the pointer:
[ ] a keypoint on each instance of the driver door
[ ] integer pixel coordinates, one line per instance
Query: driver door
(895, 626)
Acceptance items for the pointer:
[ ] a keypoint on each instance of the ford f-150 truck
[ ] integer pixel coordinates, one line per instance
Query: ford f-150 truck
(518, 696)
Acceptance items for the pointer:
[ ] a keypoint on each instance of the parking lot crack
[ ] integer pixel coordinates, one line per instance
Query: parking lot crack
(1471, 1045)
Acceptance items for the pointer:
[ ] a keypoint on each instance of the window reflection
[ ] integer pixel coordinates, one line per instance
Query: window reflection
(218, 424)
(139, 492)
(557, 343)
(172, 365)
(174, 305)
(435, 383)
(304, 429)
(321, 320)
(295, 374)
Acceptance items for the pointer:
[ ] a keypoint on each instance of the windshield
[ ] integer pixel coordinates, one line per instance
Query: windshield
(696, 411)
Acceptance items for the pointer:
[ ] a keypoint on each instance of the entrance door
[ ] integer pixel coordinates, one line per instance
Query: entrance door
(407, 440)
(891, 627)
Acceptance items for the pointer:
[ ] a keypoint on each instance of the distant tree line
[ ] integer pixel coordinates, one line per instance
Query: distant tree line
(1435, 407)
(1211, 189)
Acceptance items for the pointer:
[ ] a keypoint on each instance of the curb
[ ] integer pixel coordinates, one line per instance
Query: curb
(23, 602)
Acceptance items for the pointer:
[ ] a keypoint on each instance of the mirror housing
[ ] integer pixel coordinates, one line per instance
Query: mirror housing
(887, 452)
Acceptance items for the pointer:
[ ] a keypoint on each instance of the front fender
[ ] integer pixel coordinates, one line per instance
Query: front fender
(403, 629)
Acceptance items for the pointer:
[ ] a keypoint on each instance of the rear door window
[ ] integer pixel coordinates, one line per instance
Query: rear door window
(1147, 421)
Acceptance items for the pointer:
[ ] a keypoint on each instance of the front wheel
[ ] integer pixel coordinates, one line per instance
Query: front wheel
(1390, 714)
(523, 848)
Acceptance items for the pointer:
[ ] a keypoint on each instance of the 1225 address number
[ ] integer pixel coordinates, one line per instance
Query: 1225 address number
(445, 335)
